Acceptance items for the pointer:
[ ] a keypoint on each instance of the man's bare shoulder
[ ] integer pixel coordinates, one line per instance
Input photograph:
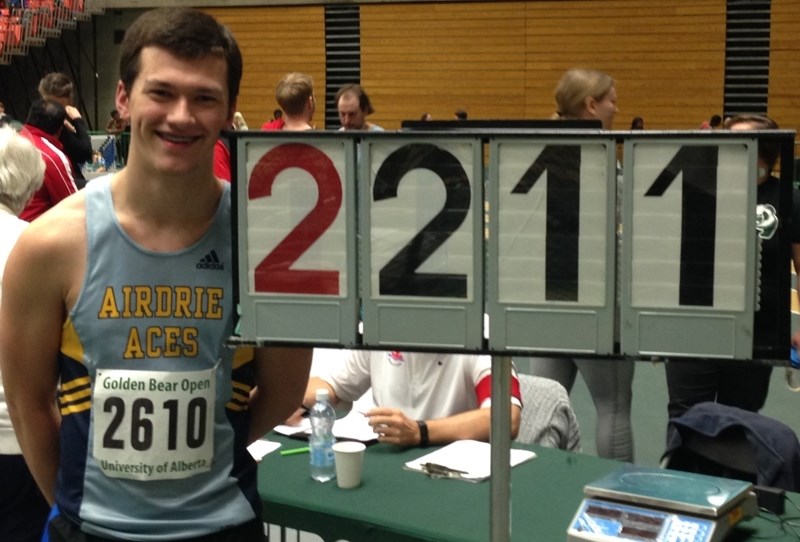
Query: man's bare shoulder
(58, 233)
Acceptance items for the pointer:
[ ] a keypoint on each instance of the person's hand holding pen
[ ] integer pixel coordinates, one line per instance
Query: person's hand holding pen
(394, 427)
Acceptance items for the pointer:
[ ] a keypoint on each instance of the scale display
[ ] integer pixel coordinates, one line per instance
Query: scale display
(604, 521)
(644, 504)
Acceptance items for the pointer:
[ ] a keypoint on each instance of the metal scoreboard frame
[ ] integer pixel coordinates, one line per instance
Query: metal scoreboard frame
(412, 243)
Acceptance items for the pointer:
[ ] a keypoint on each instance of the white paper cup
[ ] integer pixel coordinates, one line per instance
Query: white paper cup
(349, 457)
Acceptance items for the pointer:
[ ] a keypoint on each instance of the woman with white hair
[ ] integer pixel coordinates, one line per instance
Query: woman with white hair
(23, 509)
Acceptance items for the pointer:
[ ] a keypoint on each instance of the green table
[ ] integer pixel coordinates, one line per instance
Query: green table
(393, 504)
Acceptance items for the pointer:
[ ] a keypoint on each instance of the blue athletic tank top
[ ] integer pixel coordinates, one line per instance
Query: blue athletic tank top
(153, 404)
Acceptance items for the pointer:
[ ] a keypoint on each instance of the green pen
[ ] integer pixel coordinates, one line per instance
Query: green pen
(295, 451)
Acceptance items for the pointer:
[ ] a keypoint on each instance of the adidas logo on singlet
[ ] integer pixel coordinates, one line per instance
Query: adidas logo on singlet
(210, 261)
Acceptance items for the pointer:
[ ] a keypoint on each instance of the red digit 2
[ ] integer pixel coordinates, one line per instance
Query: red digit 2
(274, 273)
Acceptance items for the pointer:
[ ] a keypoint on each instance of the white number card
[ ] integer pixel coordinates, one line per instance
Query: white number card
(153, 425)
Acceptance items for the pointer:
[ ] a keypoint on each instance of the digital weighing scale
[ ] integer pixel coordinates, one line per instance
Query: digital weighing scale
(644, 504)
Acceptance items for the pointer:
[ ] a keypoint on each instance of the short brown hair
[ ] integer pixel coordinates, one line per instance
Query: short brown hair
(293, 91)
(56, 85)
(184, 32)
(767, 150)
(358, 91)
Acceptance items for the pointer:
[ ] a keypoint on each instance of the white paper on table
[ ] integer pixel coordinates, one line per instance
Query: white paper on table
(470, 456)
(289, 430)
(262, 447)
(354, 426)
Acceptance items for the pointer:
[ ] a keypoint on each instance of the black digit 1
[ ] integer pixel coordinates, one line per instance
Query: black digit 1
(171, 406)
(399, 276)
(698, 163)
(117, 405)
(563, 165)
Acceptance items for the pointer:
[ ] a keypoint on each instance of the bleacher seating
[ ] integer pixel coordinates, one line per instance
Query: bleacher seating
(30, 24)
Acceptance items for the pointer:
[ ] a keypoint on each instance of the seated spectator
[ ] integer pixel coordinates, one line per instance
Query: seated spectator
(44, 124)
(5, 118)
(421, 398)
(239, 122)
(354, 105)
(276, 123)
(116, 124)
(714, 123)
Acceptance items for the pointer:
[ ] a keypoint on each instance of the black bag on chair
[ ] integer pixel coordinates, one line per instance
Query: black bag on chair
(729, 442)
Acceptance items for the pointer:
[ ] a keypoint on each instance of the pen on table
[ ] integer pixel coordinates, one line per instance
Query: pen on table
(295, 451)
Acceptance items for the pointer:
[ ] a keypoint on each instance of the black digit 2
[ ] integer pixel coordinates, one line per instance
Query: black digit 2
(698, 163)
(117, 405)
(399, 276)
(563, 165)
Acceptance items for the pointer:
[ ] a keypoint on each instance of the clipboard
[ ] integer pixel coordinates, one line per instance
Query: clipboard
(468, 460)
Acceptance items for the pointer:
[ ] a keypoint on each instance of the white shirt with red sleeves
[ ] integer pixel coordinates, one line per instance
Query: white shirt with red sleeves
(422, 385)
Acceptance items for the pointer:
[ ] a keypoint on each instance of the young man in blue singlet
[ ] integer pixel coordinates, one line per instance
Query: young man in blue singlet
(130, 410)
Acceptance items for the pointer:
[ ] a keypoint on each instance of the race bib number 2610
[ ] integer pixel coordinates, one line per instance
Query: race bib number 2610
(153, 425)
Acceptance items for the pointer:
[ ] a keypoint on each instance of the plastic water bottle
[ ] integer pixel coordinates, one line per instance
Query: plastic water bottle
(321, 440)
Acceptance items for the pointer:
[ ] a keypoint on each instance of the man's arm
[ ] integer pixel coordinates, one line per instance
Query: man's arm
(31, 318)
(315, 383)
(394, 427)
(310, 397)
(281, 377)
(77, 143)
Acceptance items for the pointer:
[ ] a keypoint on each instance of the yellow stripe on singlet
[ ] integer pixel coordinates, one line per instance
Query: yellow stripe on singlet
(70, 343)
(242, 356)
(74, 409)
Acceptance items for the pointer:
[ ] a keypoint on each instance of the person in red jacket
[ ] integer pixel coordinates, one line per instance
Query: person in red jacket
(43, 127)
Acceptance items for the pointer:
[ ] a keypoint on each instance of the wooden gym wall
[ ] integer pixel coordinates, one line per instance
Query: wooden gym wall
(503, 59)
(784, 64)
(275, 41)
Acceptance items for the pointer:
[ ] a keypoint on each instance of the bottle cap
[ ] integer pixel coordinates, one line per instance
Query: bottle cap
(322, 394)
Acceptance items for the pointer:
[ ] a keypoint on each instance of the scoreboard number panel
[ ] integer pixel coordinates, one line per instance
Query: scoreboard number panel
(421, 250)
(689, 253)
(297, 236)
(551, 249)
(405, 240)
